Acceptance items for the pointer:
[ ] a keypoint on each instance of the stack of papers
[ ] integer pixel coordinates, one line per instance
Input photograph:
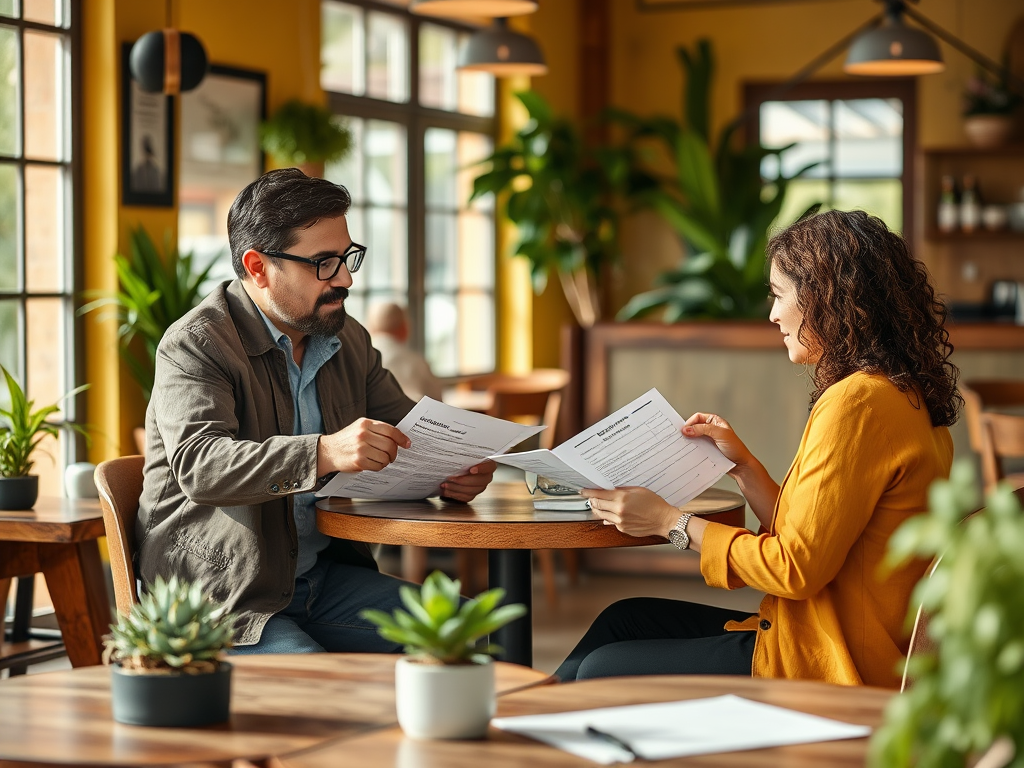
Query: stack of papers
(678, 729)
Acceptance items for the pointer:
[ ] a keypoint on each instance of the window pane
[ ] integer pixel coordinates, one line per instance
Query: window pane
(439, 330)
(882, 198)
(43, 11)
(440, 166)
(9, 225)
(387, 57)
(44, 217)
(801, 194)
(438, 51)
(476, 250)
(10, 115)
(869, 137)
(476, 332)
(45, 349)
(472, 148)
(387, 262)
(804, 122)
(341, 49)
(349, 172)
(10, 332)
(441, 269)
(386, 152)
(43, 80)
(8, 8)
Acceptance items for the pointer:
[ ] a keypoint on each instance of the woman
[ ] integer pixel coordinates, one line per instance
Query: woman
(850, 300)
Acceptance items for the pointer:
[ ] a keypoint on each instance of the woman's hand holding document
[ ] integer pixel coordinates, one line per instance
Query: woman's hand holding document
(445, 441)
(641, 444)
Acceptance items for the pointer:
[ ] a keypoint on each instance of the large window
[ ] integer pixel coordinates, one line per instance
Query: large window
(860, 134)
(419, 127)
(37, 268)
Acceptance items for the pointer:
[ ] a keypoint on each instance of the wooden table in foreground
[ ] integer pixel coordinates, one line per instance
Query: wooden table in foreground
(389, 747)
(58, 538)
(503, 521)
(279, 703)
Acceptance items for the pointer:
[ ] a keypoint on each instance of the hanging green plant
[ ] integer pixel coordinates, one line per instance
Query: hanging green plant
(299, 133)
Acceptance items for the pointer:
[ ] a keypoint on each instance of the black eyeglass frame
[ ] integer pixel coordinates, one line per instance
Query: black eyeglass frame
(355, 251)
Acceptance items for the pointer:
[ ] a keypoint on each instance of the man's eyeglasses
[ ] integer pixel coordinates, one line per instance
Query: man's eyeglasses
(327, 266)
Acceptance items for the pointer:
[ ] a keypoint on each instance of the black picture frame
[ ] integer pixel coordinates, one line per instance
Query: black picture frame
(147, 143)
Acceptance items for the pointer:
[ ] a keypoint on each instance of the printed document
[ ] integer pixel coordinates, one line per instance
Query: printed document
(678, 729)
(640, 444)
(445, 441)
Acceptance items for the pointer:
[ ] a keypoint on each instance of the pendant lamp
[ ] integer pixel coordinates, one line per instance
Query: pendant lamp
(893, 49)
(502, 52)
(168, 60)
(469, 8)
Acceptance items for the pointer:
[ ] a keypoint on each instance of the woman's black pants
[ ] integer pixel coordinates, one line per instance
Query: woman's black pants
(654, 636)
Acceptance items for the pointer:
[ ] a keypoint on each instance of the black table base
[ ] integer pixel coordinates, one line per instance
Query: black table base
(512, 570)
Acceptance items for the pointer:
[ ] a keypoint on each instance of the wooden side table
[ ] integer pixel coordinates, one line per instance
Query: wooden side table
(58, 539)
(503, 521)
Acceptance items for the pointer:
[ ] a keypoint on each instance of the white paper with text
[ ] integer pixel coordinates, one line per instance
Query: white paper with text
(640, 444)
(446, 441)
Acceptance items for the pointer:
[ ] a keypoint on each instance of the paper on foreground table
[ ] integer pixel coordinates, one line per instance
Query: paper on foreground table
(445, 441)
(640, 444)
(680, 728)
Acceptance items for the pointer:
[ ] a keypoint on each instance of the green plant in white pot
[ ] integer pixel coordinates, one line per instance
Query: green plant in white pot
(167, 669)
(444, 687)
(22, 429)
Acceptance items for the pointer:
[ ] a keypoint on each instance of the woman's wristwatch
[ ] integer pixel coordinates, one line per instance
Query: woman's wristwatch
(678, 534)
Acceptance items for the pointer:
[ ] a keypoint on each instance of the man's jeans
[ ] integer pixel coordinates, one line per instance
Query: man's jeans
(324, 613)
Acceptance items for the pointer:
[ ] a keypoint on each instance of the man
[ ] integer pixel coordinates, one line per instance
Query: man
(262, 392)
(388, 325)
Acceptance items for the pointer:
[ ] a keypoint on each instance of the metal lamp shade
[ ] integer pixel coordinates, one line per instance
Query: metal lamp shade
(894, 50)
(502, 52)
(168, 60)
(468, 8)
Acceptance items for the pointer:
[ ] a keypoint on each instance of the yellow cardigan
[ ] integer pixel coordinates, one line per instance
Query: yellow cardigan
(866, 459)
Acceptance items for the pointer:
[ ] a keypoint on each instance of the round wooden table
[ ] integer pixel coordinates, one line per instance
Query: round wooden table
(279, 703)
(503, 521)
(858, 705)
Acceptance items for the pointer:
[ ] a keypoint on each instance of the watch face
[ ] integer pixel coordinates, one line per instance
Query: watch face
(679, 538)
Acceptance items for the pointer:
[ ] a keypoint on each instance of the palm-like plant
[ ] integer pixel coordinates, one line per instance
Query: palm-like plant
(27, 428)
(436, 627)
(154, 292)
(718, 203)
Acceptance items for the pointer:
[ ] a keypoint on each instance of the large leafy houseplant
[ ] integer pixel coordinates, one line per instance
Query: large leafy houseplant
(718, 203)
(445, 686)
(299, 133)
(167, 657)
(968, 695)
(565, 195)
(154, 292)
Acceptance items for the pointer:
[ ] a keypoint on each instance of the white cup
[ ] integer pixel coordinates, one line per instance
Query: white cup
(79, 482)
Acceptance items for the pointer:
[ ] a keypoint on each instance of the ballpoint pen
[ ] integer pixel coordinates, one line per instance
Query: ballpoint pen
(610, 738)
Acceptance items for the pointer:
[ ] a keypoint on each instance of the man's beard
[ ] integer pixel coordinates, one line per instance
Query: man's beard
(318, 323)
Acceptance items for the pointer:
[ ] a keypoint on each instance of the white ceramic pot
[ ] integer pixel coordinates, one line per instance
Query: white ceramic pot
(988, 130)
(79, 482)
(436, 701)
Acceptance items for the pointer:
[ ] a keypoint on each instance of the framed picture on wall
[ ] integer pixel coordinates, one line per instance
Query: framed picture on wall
(220, 155)
(147, 143)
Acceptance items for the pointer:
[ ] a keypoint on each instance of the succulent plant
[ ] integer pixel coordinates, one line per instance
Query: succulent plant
(437, 628)
(175, 626)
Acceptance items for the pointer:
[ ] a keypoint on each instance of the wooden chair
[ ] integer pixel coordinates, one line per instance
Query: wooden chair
(1002, 437)
(119, 482)
(980, 396)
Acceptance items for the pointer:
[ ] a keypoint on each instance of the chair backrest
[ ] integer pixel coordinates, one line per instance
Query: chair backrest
(1002, 436)
(982, 394)
(119, 482)
(537, 394)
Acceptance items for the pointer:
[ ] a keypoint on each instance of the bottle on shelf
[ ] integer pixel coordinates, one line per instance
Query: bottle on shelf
(948, 214)
(970, 205)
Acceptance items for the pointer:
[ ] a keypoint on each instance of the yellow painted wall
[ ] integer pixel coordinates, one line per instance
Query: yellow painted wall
(771, 42)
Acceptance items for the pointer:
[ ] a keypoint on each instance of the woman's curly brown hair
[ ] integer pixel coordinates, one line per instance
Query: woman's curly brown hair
(868, 306)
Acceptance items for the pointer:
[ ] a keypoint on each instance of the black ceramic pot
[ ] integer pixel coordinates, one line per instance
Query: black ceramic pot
(19, 492)
(175, 700)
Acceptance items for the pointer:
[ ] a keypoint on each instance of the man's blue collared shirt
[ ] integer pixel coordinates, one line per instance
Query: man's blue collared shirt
(308, 421)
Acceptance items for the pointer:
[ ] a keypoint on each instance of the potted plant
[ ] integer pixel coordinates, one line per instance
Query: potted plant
(306, 136)
(154, 292)
(718, 203)
(968, 695)
(22, 433)
(989, 105)
(166, 652)
(444, 688)
(566, 197)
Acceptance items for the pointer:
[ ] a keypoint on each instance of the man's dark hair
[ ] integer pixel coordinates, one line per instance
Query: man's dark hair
(269, 213)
